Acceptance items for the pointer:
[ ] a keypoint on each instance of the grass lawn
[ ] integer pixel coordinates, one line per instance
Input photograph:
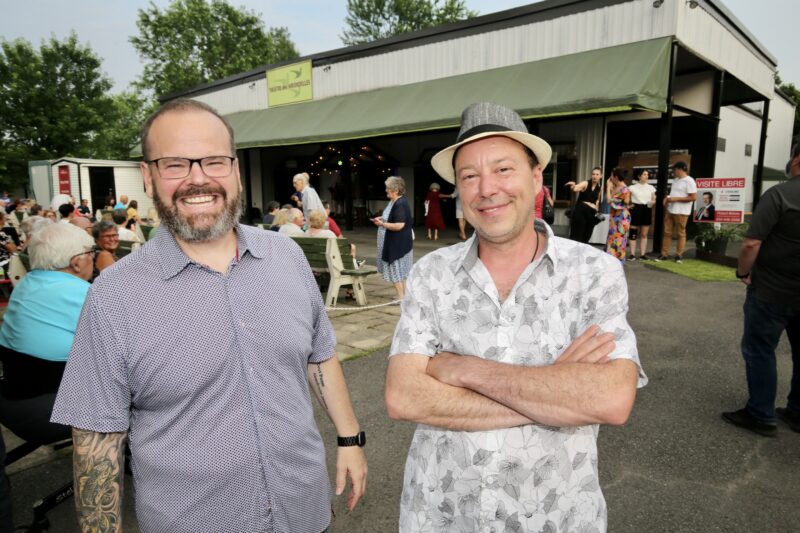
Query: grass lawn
(696, 269)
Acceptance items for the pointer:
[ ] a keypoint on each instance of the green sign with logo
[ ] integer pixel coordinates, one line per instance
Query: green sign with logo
(290, 84)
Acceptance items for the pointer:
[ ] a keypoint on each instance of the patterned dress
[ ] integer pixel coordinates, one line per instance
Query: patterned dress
(619, 224)
(525, 478)
(395, 271)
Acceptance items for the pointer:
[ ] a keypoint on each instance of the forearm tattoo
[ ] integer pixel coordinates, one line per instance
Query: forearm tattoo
(319, 382)
(98, 468)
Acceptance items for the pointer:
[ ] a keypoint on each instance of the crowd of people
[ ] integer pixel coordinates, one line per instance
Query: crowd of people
(630, 212)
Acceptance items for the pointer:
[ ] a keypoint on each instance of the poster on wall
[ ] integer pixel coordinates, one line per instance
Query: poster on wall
(63, 180)
(720, 200)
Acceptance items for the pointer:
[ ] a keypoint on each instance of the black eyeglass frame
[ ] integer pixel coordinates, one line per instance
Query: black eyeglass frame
(191, 163)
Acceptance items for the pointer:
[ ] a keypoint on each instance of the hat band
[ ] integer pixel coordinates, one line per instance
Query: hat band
(483, 128)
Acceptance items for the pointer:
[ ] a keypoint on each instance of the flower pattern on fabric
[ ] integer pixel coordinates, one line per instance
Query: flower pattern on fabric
(617, 242)
(527, 478)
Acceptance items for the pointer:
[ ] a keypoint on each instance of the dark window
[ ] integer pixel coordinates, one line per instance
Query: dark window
(748, 150)
(720, 144)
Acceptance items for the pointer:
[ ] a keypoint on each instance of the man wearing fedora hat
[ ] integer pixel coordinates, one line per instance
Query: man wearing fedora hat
(510, 350)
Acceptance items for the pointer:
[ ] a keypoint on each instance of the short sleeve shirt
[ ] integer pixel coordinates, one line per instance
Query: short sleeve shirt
(776, 223)
(208, 375)
(543, 477)
(682, 188)
(43, 313)
(642, 193)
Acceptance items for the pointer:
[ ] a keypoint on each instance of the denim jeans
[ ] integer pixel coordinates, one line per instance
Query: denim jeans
(764, 323)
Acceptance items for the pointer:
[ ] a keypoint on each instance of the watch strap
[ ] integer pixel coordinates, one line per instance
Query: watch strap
(356, 440)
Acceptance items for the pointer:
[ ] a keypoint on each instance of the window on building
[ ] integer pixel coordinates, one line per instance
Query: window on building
(748, 150)
(721, 144)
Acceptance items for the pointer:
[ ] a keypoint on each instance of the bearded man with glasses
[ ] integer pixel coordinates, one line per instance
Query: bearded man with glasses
(212, 396)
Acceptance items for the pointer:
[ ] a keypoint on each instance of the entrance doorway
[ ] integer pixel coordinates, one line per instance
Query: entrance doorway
(101, 183)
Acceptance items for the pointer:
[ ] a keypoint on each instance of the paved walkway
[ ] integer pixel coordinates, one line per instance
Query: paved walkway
(676, 466)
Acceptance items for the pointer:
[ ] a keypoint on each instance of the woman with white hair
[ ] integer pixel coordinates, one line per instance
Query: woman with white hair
(309, 199)
(395, 242)
(44, 307)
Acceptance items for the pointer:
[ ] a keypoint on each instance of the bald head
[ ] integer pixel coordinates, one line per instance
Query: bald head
(83, 223)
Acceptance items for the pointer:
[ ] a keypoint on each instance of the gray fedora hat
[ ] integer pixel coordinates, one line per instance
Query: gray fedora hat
(486, 119)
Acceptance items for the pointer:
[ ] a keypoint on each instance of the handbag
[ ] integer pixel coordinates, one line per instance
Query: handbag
(598, 218)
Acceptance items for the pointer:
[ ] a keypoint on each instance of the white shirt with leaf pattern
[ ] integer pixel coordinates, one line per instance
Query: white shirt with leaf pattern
(527, 478)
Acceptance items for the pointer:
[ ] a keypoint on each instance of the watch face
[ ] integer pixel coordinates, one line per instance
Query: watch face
(362, 438)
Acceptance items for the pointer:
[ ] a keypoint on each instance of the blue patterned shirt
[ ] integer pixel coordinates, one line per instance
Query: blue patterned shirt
(208, 375)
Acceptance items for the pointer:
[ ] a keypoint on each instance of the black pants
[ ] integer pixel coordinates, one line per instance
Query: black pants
(6, 523)
(29, 419)
(582, 223)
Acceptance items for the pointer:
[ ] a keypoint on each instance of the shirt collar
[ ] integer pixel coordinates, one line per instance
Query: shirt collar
(469, 254)
(173, 259)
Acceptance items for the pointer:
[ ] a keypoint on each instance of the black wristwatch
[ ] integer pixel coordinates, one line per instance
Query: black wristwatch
(741, 276)
(359, 440)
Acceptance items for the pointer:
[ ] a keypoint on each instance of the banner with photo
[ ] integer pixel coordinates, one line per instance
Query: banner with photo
(720, 200)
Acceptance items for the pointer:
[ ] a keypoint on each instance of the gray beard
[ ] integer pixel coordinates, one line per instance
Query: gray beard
(188, 229)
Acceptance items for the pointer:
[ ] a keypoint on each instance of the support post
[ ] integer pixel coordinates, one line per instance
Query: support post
(762, 145)
(665, 143)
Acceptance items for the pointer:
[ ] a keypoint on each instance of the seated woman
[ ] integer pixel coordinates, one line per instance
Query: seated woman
(38, 328)
(7, 246)
(316, 225)
(106, 238)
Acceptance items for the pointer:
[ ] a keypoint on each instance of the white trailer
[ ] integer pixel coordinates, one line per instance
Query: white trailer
(91, 179)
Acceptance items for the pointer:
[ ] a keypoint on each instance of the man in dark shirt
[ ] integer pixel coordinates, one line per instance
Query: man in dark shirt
(769, 264)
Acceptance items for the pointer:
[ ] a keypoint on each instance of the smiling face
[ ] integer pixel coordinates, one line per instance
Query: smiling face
(196, 208)
(108, 240)
(498, 188)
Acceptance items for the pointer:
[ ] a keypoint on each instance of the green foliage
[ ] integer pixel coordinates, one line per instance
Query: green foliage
(53, 102)
(369, 20)
(121, 134)
(708, 233)
(793, 93)
(196, 41)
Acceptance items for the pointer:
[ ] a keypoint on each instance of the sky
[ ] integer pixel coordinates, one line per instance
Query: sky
(314, 25)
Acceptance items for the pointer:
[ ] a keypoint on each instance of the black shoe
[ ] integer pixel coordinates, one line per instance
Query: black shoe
(678, 259)
(745, 420)
(631, 258)
(791, 418)
(662, 258)
(360, 262)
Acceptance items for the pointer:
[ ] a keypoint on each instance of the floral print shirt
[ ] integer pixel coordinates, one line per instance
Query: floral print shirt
(527, 478)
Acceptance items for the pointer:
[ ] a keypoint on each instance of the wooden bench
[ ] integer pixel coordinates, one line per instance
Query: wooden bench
(126, 247)
(332, 256)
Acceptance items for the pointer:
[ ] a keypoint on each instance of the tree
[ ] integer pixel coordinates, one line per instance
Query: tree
(794, 93)
(53, 102)
(196, 41)
(121, 132)
(369, 20)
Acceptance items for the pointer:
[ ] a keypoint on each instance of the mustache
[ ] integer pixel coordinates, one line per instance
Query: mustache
(199, 190)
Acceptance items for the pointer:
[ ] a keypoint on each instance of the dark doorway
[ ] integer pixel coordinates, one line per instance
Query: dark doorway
(101, 182)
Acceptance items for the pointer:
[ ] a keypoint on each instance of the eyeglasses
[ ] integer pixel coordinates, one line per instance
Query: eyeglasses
(91, 252)
(176, 168)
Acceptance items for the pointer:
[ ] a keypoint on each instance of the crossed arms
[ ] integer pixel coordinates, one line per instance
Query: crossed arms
(468, 393)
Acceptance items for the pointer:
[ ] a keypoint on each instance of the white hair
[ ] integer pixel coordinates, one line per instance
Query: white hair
(294, 214)
(303, 176)
(54, 245)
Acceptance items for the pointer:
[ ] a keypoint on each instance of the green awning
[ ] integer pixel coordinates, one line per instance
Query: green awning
(619, 78)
